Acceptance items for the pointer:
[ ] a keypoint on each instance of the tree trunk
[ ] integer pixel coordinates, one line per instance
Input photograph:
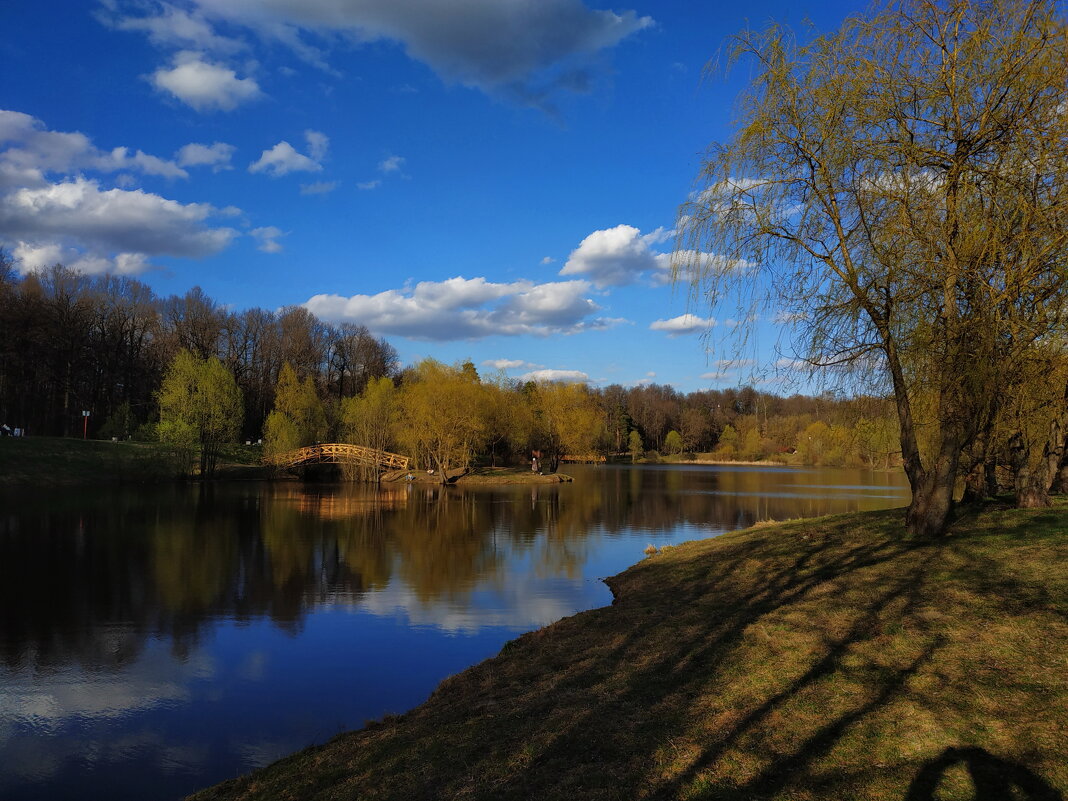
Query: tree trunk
(1060, 481)
(929, 512)
(1035, 478)
(931, 509)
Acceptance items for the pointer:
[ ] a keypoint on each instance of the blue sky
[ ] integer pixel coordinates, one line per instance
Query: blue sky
(494, 180)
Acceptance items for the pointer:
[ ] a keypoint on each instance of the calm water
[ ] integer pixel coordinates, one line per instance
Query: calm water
(156, 641)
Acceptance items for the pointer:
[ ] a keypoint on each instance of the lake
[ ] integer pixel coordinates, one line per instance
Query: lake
(157, 640)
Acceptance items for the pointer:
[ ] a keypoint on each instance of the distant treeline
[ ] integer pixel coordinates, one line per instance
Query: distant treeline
(71, 342)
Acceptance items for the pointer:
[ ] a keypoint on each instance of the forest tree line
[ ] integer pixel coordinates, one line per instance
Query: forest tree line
(107, 344)
(71, 342)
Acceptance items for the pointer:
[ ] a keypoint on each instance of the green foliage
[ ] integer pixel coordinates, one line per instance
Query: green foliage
(899, 186)
(298, 417)
(120, 424)
(370, 419)
(635, 446)
(567, 420)
(752, 447)
(442, 415)
(200, 408)
(673, 442)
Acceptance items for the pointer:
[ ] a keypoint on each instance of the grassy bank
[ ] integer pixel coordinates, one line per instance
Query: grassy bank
(45, 461)
(512, 475)
(826, 658)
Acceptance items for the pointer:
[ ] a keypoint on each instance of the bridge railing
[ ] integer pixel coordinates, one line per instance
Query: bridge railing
(338, 452)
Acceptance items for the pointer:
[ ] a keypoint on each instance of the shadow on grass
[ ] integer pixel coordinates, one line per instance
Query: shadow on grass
(823, 659)
(994, 779)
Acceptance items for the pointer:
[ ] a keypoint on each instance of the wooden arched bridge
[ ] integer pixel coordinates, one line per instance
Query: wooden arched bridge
(339, 453)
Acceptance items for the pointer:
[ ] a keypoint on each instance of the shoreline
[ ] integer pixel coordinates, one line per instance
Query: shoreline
(783, 661)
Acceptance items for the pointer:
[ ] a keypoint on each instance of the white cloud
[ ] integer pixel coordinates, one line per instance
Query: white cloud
(120, 159)
(792, 364)
(683, 324)
(205, 85)
(617, 256)
(506, 364)
(319, 187)
(31, 152)
(461, 308)
(365, 185)
(86, 226)
(391, 164)
(177, 28)
(267, 237)
(526, 51)
(318, 144)
(283, 159)
(721, 375)
(693, 263)
(133, 225)
(735, 364)
(548, 260)
(31, 257)
(566, 376)
(217, 155)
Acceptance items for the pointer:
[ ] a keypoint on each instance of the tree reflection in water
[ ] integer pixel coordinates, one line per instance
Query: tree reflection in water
(110, 599)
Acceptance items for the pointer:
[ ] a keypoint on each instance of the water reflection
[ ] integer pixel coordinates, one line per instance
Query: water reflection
(142, 632)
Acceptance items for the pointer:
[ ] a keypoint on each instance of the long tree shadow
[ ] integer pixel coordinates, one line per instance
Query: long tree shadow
(994, 779)
(846, 631)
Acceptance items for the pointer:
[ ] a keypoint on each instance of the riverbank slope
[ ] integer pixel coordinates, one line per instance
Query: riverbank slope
(59, 461)
(826, 658)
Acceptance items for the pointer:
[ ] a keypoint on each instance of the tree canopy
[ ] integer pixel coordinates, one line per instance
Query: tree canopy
(898, 188)
(199, 407)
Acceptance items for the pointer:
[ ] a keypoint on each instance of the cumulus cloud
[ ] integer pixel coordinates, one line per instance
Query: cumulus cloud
(506, 364)
(110, 220)
(30, 256)
(217, 155)
(693, 263)
(319, 187)
(391, 164)
(283, 159)
(526, 51)
(50, 212)
(461, 308)
(267, 238)
(31, 152)
(565, 376)
(683, 324)
(204, 85)
(547, 260)
(366, 185)
(618, 256)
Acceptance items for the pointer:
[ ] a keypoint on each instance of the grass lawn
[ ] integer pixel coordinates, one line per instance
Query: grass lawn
(48, 461)
(817, 659)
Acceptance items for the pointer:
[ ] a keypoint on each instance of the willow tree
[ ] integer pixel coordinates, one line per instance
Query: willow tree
(567, 420)
(898, 188)
(441, 415)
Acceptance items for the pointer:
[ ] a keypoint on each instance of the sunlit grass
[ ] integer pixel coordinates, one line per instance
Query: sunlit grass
(813, 659)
